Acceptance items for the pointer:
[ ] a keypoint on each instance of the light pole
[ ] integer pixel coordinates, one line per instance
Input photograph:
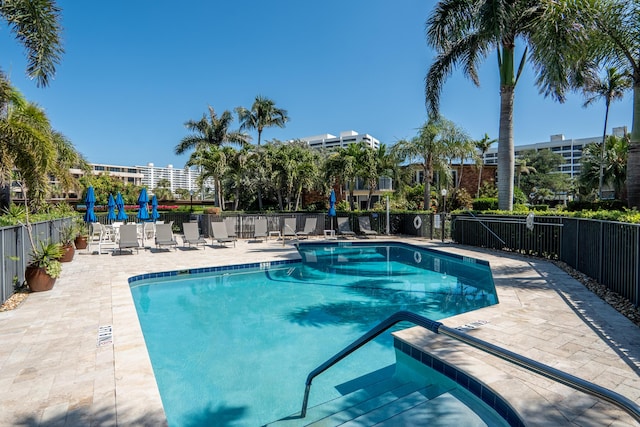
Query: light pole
(444, 210)
(191, 193)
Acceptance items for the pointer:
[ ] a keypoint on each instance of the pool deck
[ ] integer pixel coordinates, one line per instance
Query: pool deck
(54, 373)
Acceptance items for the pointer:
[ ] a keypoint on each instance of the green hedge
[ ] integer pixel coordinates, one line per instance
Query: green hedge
(485, 204)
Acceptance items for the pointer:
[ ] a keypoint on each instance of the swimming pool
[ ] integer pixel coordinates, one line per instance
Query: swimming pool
(233, 345)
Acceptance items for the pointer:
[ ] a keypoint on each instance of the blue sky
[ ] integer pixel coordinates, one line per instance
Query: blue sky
(135, 71)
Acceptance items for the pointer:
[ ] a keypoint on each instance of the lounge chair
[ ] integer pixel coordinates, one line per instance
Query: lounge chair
(129, 238)
(288, 228)
(365, 226)
(192, 235)
(149, 230)
(344, 228)
(101, 236)
(260, 231)
(309, 227)
(230, 222)
(164, 236)
(220, 234)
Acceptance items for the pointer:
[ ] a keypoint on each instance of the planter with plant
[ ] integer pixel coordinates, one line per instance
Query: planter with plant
(67, 236)
(81, 235)
(45, 266)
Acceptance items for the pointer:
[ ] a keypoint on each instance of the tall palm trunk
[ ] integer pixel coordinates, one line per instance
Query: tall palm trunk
(5, 196)
(506, 161)
(633, 161)
(480, 177)
(259, 187)
(428, 167)
(604, 145)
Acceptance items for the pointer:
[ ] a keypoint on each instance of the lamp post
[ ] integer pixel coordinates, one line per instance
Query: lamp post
(191, 193)
(444, 210)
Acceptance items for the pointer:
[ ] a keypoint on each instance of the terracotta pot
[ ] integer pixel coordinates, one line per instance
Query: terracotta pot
(38, 279)
(69, 251)
(81, 242)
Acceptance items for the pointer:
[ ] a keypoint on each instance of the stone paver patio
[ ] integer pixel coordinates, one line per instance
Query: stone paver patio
(53, 372)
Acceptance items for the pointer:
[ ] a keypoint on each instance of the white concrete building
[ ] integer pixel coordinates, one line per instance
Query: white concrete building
(126, 174)
(570, 149)
(150, 175)
(178, 178)
(347, 137)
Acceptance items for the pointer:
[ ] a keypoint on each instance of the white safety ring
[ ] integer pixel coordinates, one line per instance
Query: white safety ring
(529, 221)
(417, 222)
(417, 257)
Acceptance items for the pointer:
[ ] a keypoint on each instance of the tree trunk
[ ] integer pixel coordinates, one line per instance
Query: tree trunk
(5, 196)
(351, 201)
(427, 182)
(236, 203)
(603, 149)
(506, 159)
(280, 202)
(480, 178)
(633, 161)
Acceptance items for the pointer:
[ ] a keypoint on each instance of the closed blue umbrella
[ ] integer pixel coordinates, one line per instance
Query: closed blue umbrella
(332, 203)
(143, 201)
(90, 201)
(154, 208)
(332, 207)
(111, 205)
(122, 215)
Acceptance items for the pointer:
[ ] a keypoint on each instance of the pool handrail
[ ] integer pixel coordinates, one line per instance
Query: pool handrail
(436, 327)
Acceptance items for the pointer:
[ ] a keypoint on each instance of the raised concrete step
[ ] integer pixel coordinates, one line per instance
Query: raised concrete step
(387, 399)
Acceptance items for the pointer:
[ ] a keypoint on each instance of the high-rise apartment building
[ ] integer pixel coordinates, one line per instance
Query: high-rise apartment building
(348, 137)
(178, 178)
(570, 149)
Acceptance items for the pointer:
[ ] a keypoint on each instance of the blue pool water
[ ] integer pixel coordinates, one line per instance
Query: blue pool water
(234, 347)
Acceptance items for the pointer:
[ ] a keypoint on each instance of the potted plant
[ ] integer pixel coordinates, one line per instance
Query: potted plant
(81, 235)
(45, 266)
(67, 236)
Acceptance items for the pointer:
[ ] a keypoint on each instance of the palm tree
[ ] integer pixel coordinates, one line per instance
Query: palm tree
(207, 136)
(237, 174)
(214, 165)
(350, 156)
(607, 32)
(610, 88)
(27, 144)
(263, 113)
(482, 145)
(459, 146)
(429, 149)
(163, 190)
(35, 23)
(613, 168)
(385, 164)
(464, 32)
(523, 168)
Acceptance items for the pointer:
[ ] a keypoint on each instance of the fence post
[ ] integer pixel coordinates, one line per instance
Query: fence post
(3, 284)
(601, 245)
(637, 263)
(577, 243)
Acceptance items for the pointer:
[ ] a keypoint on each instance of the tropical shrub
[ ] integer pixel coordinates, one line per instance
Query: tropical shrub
(485, 204)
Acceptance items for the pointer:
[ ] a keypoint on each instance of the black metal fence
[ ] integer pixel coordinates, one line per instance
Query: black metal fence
(16, 251)
(609, 252)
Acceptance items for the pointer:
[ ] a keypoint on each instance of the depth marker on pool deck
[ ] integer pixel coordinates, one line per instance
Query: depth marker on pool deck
(105, 335)
(472, 325)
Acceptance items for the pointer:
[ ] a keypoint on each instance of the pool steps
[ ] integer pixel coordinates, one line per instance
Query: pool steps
(393, 402)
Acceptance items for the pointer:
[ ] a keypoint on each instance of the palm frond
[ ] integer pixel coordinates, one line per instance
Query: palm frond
(36, 26)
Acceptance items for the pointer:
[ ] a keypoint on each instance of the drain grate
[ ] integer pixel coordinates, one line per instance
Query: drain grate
(105, 335)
